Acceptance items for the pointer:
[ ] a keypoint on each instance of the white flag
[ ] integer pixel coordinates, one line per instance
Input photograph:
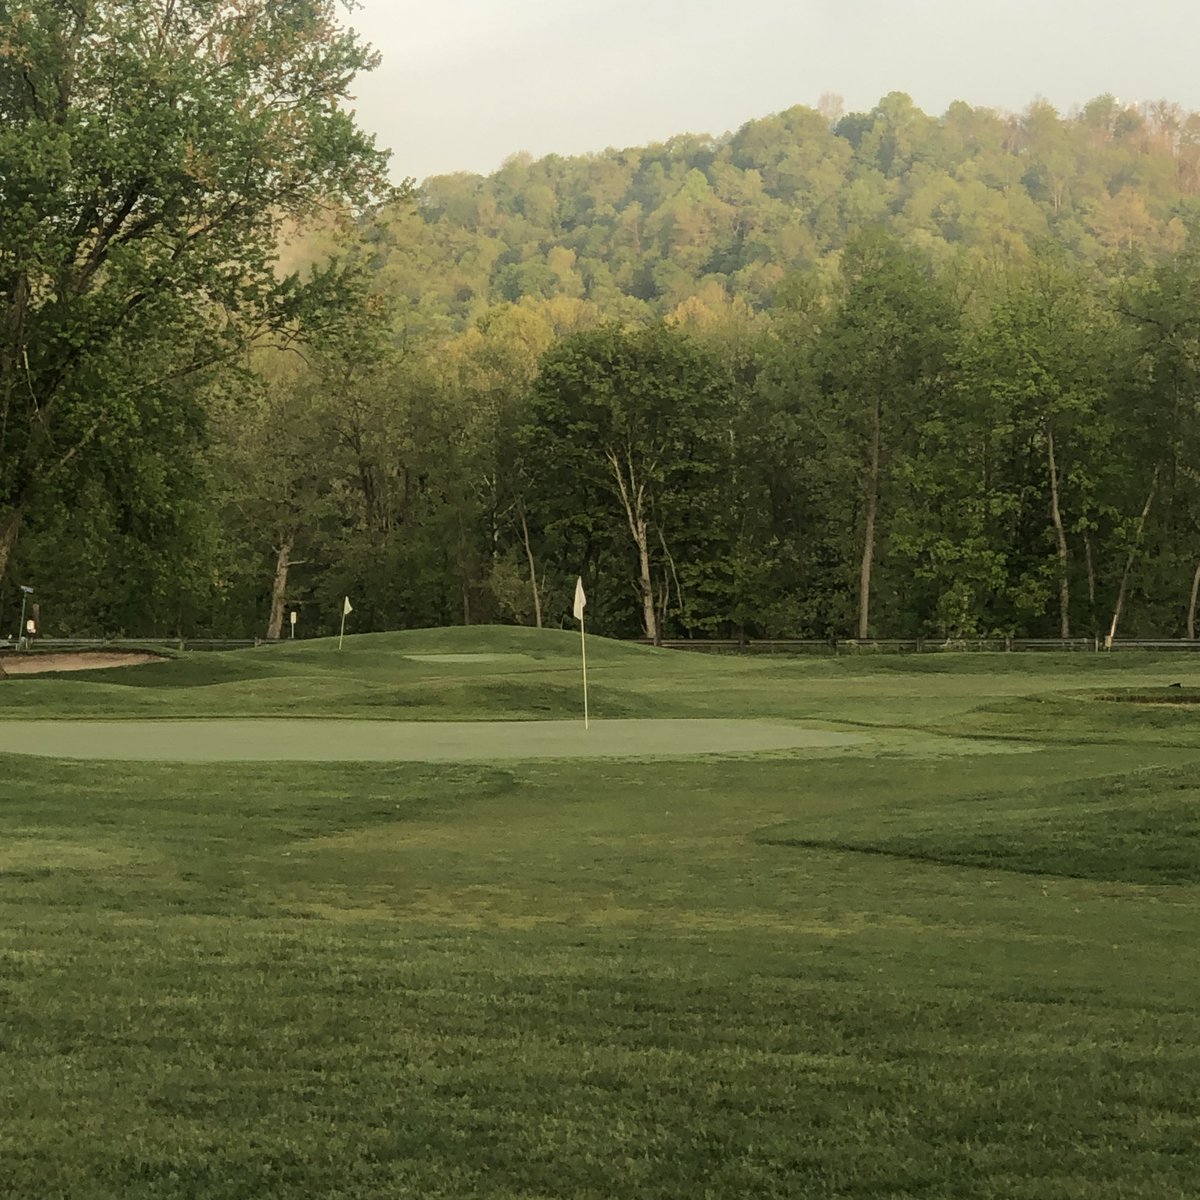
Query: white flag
(580, 605)
(346, 609)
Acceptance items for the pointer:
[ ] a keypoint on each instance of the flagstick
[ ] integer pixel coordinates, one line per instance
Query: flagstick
(583, 651)
(342, 634)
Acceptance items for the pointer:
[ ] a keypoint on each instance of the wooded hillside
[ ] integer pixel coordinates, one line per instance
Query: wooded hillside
(640, 231)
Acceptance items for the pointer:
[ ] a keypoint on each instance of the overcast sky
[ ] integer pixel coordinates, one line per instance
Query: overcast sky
(465, 83)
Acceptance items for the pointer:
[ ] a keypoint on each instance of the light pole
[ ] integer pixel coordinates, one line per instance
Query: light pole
(26, 592)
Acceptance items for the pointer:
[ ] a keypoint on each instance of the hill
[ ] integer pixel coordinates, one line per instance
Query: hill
(643, 229)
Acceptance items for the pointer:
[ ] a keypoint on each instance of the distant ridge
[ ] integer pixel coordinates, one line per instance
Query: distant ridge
(642, 230)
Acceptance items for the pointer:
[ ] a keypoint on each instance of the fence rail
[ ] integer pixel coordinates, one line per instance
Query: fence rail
(917, 645)
(114, 644)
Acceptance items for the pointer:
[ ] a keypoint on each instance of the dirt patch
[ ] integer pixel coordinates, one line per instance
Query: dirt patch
(88, 660)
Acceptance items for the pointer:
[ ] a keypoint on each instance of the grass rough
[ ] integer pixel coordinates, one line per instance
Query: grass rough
(918, 972)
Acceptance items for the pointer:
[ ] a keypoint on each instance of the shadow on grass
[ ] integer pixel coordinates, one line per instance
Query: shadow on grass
(1141, 828)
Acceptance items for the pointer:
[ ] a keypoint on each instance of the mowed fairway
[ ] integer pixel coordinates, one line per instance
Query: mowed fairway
(954, 955)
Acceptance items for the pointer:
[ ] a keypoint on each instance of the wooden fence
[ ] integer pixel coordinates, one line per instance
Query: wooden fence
(850, 646)
(47, 644)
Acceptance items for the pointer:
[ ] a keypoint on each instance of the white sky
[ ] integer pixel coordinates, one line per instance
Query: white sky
(465, 83)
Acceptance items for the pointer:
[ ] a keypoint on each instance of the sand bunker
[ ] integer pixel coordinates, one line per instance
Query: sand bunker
(407, 741)
(91, 660)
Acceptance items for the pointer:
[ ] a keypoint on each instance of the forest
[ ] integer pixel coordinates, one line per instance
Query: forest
(833, 374)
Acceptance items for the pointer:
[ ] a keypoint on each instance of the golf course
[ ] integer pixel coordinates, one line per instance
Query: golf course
(295, 922)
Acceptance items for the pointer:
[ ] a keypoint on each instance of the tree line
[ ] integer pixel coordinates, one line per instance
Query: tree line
(892, 452)
(896, 450)
(875, 374)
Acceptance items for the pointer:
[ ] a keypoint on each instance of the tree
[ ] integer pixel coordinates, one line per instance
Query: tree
(881, 359)
(1039, 363)
(273, 476)
(149, 152)
(126, 542)
(1163, 424)
(801, 467)
(488, 372)
(627, 421)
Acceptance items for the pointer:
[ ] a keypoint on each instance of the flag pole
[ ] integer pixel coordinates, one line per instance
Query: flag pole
(577, 613)
(583, 653)
(342, 631)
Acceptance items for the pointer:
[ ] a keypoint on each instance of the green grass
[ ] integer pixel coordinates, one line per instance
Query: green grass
(1143, 827)
(918, 971)
(313, 739)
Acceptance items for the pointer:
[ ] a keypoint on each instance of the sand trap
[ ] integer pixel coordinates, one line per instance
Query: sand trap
(89, 660)
(406, 741)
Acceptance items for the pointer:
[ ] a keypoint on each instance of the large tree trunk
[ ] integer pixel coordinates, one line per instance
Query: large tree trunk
(645, 583)
(464, 570)
(1064, 585)
(10, 530)
(533, 579)
(279, 588)
(868, 554)
(633, 498)
(1091, 578)
(1191, 616)
(1137, 543)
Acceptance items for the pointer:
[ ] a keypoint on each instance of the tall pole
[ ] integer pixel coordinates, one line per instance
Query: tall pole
(577, 613)
(583, 651)
(25, 594)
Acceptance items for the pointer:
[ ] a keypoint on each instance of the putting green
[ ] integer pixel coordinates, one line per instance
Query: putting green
(318, 740)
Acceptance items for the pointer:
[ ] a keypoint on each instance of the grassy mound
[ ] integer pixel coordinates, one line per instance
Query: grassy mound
(437, 674)
(1174, 693)
(1142, 828)
(1081, 718)
(498, 672)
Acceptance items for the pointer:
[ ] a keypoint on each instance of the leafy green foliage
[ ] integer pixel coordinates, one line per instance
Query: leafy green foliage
(149, 153)
(626, 437)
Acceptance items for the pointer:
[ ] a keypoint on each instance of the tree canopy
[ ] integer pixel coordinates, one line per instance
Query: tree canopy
(149, 153)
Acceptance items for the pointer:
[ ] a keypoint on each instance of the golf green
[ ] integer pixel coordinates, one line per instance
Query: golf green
(319, 740)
